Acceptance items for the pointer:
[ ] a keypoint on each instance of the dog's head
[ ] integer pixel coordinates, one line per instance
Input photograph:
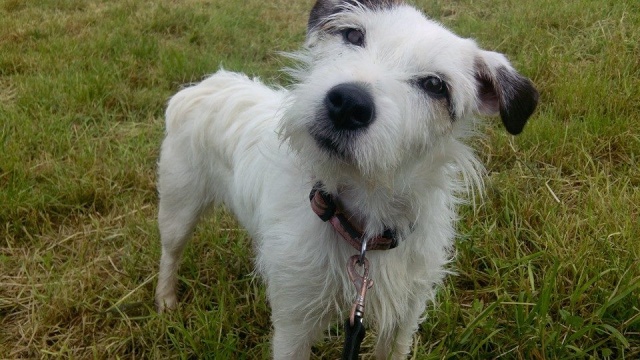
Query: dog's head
(381, 85)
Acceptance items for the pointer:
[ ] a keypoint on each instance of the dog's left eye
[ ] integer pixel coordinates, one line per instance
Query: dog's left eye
(434, 86)
(353, 36)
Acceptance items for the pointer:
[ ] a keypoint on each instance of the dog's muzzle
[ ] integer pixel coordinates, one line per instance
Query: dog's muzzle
(350, 106)
(347, 110)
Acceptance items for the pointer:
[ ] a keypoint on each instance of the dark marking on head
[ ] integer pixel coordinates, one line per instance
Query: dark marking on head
(321, 10)
(506, 92)
(325, 8)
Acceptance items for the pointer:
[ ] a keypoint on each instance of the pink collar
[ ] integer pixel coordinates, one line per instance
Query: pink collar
(323, 205)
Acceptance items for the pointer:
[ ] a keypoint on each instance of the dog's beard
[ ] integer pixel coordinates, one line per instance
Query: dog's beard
(335, 143)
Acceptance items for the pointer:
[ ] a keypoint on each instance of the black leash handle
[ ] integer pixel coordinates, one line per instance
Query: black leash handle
(353, 338)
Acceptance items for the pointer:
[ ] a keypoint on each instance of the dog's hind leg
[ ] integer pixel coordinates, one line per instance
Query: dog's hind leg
(183, 199)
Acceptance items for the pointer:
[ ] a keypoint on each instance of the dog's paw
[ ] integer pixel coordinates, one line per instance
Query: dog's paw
(166, 303)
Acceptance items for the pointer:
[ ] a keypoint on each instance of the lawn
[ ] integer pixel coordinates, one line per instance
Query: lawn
(547, 261)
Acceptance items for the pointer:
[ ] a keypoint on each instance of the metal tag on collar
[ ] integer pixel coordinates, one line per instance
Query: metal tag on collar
(363, 252)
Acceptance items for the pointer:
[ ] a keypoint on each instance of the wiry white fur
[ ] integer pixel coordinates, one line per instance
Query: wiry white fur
(223, 147)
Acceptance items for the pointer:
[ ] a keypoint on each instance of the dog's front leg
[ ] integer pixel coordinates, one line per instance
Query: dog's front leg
(294, 335)
(396, 347)
(300, 309)
(396, 344)
(292, 342)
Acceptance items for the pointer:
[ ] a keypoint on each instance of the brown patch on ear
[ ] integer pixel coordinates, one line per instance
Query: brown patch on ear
(505, 91)
(487, 95)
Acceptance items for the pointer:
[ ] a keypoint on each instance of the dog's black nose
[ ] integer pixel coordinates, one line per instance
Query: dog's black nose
(350, 106)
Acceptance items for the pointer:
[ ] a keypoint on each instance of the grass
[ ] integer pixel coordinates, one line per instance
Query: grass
(548, 264)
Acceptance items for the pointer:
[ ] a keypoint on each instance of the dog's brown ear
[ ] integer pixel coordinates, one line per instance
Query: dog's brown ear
(502, 90)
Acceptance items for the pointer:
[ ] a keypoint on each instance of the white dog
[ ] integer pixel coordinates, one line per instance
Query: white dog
(375, 125)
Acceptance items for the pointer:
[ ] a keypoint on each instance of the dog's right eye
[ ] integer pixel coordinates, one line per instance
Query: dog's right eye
(353, 36)
(434, 86)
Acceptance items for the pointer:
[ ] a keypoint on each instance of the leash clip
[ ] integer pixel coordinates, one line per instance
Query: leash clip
(361, 282)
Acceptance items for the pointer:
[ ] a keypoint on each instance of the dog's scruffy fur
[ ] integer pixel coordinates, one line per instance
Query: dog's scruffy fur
(383, 100)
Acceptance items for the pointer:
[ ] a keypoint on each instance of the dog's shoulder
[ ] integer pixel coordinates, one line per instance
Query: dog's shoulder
(223, 91)
(229, 79)
(222, 83)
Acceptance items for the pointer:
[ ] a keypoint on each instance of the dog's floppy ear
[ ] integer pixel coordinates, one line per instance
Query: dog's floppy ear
(502, 90)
